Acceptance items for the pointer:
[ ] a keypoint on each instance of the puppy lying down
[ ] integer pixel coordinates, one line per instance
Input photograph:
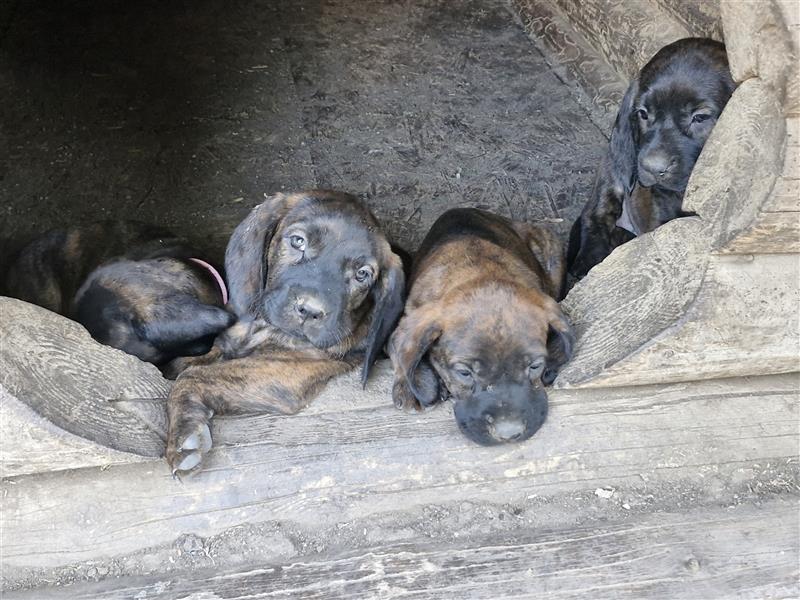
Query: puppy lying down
(316, 288)
(482, 326)
(133, 286)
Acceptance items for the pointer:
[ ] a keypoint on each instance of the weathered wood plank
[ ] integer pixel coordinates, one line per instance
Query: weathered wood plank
(321, 468)
(770, 233)
(740, 551)
(626, 34)
(52, 366)
(32, 444)
(743, 322)
(600, 88)
(785, 196)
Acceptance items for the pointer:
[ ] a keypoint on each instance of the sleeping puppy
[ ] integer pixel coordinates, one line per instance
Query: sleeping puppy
(665, 118)
(317, 290)
(133, 286)
(482, 326)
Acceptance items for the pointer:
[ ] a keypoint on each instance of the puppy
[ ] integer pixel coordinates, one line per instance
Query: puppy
(665, 118)
(317, 290)
(482, 326)
(133, 286)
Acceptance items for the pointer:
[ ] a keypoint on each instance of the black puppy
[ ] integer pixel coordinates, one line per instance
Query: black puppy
(133, 286)
(665, 118)
(482, 325)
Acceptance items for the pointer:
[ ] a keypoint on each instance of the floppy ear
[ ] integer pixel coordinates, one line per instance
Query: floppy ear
(620, 164)
(246, 254)
(596, 234)
(560, 343)
(415, 382)
(185, 327)
(388, 296)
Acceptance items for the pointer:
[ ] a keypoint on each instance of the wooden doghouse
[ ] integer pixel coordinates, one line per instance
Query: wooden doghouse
(715, 295)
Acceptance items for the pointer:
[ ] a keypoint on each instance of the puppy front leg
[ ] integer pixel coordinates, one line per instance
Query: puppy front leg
(283, 383)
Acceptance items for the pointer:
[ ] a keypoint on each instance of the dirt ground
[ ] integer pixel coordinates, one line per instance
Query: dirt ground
(187, 114)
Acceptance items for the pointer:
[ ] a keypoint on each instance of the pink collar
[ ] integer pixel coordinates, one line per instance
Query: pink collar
(215, 274)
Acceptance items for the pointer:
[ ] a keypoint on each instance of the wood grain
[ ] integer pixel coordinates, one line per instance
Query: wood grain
(53, 366)
(743, 322)
(352, 455)
(626, 34)
(600, 88)
(641, 290)
(770, 233)
(32, 444)
(710, 553)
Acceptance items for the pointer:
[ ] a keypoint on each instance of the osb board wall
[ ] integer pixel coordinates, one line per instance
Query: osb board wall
(673, 305)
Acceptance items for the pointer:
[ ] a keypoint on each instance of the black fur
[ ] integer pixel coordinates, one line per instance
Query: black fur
(663, 122)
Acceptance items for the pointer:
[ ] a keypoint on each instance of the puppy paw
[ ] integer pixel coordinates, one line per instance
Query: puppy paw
(186, 450)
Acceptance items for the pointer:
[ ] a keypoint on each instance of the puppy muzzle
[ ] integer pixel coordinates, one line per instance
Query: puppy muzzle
(502, 414)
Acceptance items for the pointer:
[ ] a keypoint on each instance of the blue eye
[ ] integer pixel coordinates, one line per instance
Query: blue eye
(700, 118)
(297, 242)
(642, 114)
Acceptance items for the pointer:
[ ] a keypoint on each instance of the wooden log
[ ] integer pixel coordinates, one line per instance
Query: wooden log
(53, 367)
(743, 322)
(32, 444)
(770, 233)
(721, 552)
(352, 455)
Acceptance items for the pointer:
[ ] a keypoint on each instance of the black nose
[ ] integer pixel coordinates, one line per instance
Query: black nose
(309, 308)
(656, 164)
(506, 430)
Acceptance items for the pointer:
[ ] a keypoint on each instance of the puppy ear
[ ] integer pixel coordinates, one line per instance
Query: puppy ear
(595, 234)
(388, 296)
(620, 165)
(246, 254)
(415, 382)
(560, 344)
(185, 327)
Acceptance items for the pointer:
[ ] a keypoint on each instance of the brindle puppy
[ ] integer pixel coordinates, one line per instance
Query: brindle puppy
(665, 119)
(481, 325)
(133, 286)
(317, 289)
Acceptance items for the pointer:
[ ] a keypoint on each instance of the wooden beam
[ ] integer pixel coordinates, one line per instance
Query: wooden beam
(723, 552)
(352, 455)
(78, 390)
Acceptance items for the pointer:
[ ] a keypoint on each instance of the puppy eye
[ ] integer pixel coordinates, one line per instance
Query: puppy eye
(535, 369)
(363, 274)
(642, 114)
(297, 242)
(463, 372)
(700, 118)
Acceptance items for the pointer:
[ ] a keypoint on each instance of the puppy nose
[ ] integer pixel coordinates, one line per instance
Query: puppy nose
(506, 430)
(309, 308)
(656, 164)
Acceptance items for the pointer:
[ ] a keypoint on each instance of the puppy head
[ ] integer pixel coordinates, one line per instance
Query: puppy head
(492, 351)
(678, 98)
(155, 309)
(317, 266)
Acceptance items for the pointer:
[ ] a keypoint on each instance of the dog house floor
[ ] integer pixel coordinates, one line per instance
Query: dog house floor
(187, 115)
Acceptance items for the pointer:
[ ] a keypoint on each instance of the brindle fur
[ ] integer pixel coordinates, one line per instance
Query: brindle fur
(276, 359)
(130, 284)
(482, 291)
(654, 145)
